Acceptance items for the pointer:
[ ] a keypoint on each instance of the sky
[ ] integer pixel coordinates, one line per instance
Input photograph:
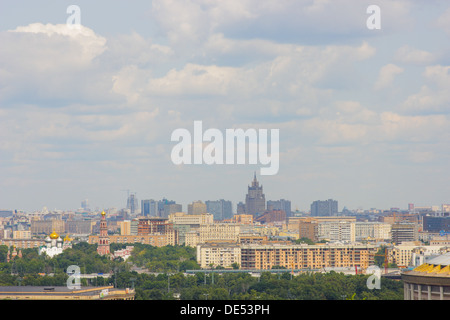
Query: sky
(87, 113)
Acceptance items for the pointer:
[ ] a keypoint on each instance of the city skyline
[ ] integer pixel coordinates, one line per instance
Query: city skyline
(363, 114)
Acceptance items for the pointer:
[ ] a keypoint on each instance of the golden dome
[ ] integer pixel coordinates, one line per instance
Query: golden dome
(54, 235)
(103, 212)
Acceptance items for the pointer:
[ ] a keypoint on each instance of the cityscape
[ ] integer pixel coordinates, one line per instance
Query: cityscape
(251, 153)
(253, 237)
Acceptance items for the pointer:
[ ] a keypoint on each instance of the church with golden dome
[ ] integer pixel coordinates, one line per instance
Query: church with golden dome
(54, 245)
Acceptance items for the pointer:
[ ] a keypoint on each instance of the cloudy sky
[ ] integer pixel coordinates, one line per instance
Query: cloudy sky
(363, 114)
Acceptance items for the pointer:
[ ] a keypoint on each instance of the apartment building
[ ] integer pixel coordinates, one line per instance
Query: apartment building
(217, 232)
(306, 256)
(191, 219)
(336, 231)
(218, 254)
(47, 226)
(412, 253)
(157, 240)
(243, 219)
(374, 230)
(404, 232)
(319, 228)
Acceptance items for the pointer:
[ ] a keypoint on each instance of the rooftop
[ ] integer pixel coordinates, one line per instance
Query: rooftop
(439, 266)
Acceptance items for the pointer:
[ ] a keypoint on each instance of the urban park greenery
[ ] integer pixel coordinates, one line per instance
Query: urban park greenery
(166, 277)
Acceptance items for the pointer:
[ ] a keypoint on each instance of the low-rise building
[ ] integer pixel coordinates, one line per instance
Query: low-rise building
(211, 255)
(65, 293)
(429, 281)
(412, 254)
(157, 240)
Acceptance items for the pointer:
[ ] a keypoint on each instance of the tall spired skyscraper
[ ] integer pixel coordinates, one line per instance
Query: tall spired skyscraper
(255, 201)
(103, 239)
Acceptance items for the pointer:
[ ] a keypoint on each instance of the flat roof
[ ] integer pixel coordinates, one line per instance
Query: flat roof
(443, 260)
(51, 289)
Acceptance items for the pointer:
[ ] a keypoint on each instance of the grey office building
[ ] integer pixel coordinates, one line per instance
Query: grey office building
(220, 209)
(281, 204)
(324, 208)
(149, 208)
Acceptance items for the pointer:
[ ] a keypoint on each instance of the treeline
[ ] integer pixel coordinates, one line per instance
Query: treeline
(164, 259)
(243, 286)
(168, 280)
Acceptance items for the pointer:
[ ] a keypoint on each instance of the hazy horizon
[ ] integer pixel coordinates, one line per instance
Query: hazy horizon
(363, 114)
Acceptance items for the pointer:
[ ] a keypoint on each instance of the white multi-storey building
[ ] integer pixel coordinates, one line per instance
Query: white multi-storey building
(374, 230)
(336, 231)
(191, 219)
(218, 254)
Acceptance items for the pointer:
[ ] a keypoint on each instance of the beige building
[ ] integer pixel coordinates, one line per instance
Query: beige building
(191, 238)
(439, 240)
(374, 230)
(327, 228)
(157, 240)
(308, 229)
(65, 293)
(243, 219)
(293, 223)
(47, 226)
(22, 234)
(79, 226)
(218, 254)
(23, 243)
(306, 256)
(191, 219)
(219, 232)
(404, 232)
(125, 227)
(197, 207)
(224, 232)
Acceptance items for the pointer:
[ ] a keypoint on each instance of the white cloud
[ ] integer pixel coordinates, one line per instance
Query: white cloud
(51, 62)
(406, 54)
(443, 21)
(387, 75)
(433, 96)
(88, 45)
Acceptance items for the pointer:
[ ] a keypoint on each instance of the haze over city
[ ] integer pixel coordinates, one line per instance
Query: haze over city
(363, 115)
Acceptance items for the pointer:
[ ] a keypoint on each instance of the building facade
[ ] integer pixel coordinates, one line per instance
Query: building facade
(336, 231)
(220, 209)
(306, 256)
(282, 204)
(103, 239)
(133, 204)
(404, 232)
(191, 219)
(429, 281)
(64, 293)
(47, 226)
(149, 208)
(374, 230)
(218, 254)
(217, 232)
(255, 200)
(197, 207)
(324, 208)
(157, 240)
